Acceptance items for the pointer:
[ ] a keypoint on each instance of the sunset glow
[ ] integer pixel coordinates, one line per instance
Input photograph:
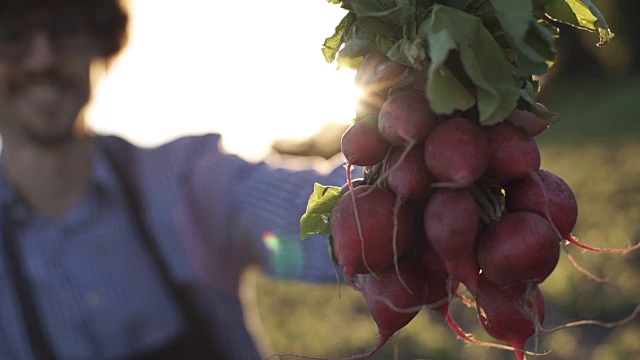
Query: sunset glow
(252, 71)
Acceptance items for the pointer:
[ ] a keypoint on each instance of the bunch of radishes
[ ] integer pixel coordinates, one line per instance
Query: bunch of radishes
(443, 201)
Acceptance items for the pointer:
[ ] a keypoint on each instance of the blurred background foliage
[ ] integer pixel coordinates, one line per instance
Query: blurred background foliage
(596, 149)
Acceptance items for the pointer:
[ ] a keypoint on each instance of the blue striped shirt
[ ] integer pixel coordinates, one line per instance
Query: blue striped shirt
(211, 214)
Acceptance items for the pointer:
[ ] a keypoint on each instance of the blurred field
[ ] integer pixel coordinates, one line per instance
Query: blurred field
(596, 149)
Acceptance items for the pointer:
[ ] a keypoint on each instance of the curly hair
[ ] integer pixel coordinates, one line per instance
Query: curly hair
(108, 19)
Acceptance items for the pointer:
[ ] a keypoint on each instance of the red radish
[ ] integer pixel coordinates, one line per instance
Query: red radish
(439, 295)
(390, 70)
(509, 314)
(451, 223)
(408, 176)
(529, 121)
(354, 184)
(367, 72)
(441, 287)
(436, 275)
(439, 284)
(368, 104)
(513, 151)
(521, 247)
(457, 152)
(420, 84)
(370, 101)
(548, 194)
(370, 229)
(376, 75)
(375, 88)
(362, 144)
(371, 98)
(406, 118)
(391, 304)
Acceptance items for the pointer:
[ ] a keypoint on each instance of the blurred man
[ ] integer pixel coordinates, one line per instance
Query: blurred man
(110, 251)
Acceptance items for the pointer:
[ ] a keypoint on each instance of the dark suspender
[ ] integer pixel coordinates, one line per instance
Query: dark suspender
(39, 341)
(195, 342)
(196, 331)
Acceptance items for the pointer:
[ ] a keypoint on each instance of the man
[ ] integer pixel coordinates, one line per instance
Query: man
(109, 251)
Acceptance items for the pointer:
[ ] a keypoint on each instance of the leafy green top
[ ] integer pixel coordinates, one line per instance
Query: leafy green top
(501, 44)
(316, 218)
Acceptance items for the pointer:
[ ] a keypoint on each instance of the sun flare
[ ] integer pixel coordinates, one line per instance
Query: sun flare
(265, 80)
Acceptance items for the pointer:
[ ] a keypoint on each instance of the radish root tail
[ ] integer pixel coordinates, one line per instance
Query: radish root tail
(357, 217)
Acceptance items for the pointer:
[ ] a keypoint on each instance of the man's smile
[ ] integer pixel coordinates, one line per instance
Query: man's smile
(42, 98)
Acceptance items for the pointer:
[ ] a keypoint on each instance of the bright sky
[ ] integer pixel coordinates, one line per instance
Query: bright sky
(251, 70)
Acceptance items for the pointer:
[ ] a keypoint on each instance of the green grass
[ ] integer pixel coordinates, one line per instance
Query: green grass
(606, 112)
(596, 149)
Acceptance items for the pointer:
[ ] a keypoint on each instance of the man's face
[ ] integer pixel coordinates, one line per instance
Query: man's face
(44, 78)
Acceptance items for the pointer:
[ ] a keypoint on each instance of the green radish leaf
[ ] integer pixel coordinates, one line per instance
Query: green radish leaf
(396, 12)
(367, 7)
(514, 16)
(554, 31)
(333, 43)
(581, 14)
(377, 26)
(515, 19)
(527, 95)
(384, 43)
(483, 60)
(451, 95)
(458, 4)
(319, 207)
(528, 106)
(572, 12)
(528, 90)
(536, 54)
(349, 63)
(359, 43)
(409, 53)
(539, 4)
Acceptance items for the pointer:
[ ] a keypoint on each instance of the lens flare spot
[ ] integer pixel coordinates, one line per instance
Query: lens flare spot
(286, 258)
(271, 241)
